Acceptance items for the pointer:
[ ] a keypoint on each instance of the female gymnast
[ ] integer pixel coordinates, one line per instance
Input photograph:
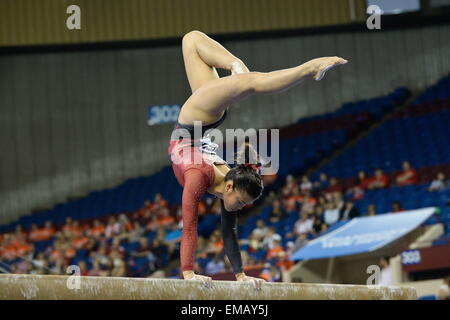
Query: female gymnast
(210, 99)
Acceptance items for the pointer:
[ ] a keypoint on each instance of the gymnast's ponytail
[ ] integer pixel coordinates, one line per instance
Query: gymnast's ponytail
(245, 175)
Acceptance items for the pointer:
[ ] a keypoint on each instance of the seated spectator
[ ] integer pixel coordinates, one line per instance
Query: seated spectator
(97, 230)
(371, 211)
(215, 244)
(112, 228)
(379, 181)
(356, 192)
(215, 266)
(278, 213)
(322, 184)
(334, 186)
(118, 264)
(35, 233)
(397, 207)
(306, 185)
(289, 186)
(165, 219)
(284, 263)
(292, 202)
(439, 183)
(307, 203)
(275, 251)
(158, 203)
(79, 242)
(303, 225)
(349, 211)
(261, 230)
(47, 232)
(408, 176)
(301, 241)
(317, 225)
(331, 214)
(268, 241)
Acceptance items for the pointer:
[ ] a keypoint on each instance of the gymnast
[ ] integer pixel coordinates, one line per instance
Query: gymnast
(208, 104)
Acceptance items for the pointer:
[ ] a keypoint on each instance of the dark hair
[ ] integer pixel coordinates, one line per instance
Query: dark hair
(245, 175)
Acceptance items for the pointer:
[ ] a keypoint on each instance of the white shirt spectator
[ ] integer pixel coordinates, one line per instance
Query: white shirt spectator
(260, 232)
(304, 226)
(306, 186)
(331, 216)
(437, 185)
(268, 241)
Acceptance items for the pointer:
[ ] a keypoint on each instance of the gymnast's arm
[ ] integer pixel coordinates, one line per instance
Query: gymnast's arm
(231, 245)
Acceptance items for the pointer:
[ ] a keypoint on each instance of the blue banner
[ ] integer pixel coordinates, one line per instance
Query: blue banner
(163, 114)
(361, 235)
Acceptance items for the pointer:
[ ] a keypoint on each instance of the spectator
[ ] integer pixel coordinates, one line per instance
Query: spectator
(275, 251)
(371, 211)
(386, 272)
(278, 213)
(408, 176)
(301, 241)
(292, 202)
(261, 230)
(397, 207)
(323, 183)
(334, 186)
(317, 225)
(304, 225)
(289, 186)
(357, 191)
(215, 266)
(165, 220)
(268, 241)
(331, 214)
(112, 228)
(306, 185)
(97, 230)
(308, 203)
(439, 183)
(379, 181)
(349, 211)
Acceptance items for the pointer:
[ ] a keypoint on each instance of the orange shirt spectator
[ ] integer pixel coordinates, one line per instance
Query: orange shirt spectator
(97, 230)
(35, 233)
(274, 252)
(23, 249)
(80, 242)
(70, 253)
(407, 176)
(47, 232)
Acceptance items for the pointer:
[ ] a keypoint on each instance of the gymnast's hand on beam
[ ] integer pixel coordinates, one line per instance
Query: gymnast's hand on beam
(190, 275)
(320, 66)
(257, 282)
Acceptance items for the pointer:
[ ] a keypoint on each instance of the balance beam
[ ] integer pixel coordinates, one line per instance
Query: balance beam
(43, 287)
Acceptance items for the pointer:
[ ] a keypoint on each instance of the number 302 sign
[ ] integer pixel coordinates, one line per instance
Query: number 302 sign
(163, 114)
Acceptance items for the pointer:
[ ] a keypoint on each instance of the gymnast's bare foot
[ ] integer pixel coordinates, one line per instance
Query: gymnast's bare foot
(321, 65)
